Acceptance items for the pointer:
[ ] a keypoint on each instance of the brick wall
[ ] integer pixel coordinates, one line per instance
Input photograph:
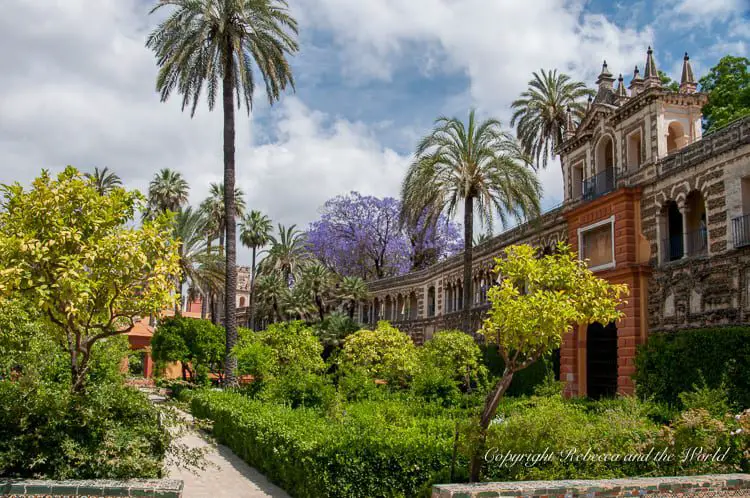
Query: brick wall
(153, 488)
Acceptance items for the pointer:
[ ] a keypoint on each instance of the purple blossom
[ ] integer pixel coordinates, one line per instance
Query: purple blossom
(361, 236)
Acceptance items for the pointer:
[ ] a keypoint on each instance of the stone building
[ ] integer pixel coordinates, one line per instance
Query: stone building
(649, 201)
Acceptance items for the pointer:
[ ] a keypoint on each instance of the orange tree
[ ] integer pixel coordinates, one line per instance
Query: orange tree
(537, 302)
(77, 256)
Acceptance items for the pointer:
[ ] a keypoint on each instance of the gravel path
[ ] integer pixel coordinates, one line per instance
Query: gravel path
(225, 475)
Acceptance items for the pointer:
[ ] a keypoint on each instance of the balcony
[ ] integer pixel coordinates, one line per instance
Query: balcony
(599, 184)
(741, 231)
(674, 246)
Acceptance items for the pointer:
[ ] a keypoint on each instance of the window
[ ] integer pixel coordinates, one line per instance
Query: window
(576, 180)
(634, 150)
(676, 137)
(596, 244)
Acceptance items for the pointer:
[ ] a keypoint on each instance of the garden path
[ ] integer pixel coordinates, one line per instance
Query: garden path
(225, 475)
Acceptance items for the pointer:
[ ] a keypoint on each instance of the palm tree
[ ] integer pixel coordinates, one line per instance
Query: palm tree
(540, 112)
(104, 180)
(351, 291)
(222, 41)
(213, 207)
(255, 232)
(271, 292)
(476, 162)
(317, 280)
(288, 252)
(168, 191)
(197, 264)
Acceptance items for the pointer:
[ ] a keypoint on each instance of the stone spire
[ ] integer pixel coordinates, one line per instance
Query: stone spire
(651, 75)
(636, 84)
(687, 82)
(622, 93)
(605, 79)
(588, 104)
(570, 127)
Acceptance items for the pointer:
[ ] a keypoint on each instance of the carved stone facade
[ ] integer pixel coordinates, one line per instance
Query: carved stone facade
(649, 202)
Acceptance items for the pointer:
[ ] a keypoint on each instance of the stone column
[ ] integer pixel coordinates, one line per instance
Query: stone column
(684, 211)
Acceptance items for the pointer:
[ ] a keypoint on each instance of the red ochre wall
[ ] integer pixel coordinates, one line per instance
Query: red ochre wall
(631, 251)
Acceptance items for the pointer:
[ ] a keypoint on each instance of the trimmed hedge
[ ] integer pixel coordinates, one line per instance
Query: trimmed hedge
(672, 363)
(374, 449)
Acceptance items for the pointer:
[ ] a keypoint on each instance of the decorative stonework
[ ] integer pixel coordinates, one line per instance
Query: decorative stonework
(153, 488)
(656, 487)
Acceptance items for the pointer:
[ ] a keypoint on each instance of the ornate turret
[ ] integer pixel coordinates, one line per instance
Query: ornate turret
(570, 127)
(605, 79)
(588, 103)
(687, 82)
(636, 84)
(622, 93)
(651, 75)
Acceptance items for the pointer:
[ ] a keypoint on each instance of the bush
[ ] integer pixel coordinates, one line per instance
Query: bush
(375, 449)
(333, 330)
(356, 384)
(198, 344)
(385, 353)
(281, 347)
(434, 384)
(299, 388)
(457, 354)
(672, 363)
(110, 432)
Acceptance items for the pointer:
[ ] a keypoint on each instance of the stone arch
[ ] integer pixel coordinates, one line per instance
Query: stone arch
(413, 306)
(696, 224)
(400, 307)
(376, 310)
(431, 301)
(604, 153)
(242, 301)
(388, 314)
(676, 137)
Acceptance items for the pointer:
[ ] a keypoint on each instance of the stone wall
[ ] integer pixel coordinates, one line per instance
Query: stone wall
(153, 488)
(656, 487)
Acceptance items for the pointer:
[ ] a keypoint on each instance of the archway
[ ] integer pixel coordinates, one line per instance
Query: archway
(400, 308)
(695, 223)
(676, 138)
(601, 360)
(388, 315)
(605, 154)
(376, 310)
(413, 306)
(673, 242)
(431, 301)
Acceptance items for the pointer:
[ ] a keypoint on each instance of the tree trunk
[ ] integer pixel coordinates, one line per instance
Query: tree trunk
(251, 310)
(352, 304)
(319, 303)
(178, 297)
(488, 413)
(79, 360)
(468, 241)
(204, 306)
(230, 311)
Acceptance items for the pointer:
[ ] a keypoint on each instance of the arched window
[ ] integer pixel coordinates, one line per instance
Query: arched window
(431, 301)
(605, 154)
(242, 302)
(676, 138)
(413, 306)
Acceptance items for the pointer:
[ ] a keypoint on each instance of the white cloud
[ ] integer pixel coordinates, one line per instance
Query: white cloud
(686, 13)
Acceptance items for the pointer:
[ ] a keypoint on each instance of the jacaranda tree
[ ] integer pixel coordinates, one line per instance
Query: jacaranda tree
(360, 235)
(76, 255)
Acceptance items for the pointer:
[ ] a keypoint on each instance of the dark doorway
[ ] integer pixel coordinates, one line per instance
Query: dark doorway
(601, 360)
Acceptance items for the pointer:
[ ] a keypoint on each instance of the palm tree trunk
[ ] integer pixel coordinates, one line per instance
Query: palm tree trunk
(352, 304)
(251, 310)
(230, 311)
(178, 297)
(468, 241)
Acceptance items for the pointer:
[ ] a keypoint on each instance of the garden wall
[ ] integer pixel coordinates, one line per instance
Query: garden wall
(153, 488)
(673, 487)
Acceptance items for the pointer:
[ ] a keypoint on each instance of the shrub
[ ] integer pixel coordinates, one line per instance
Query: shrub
(374, 450)
(457, 354)
(672, 363)
(333, 330)
(356, 384)
(434, 384)
(110, 432)
(288, 345)
(385, 353)
(299, 388)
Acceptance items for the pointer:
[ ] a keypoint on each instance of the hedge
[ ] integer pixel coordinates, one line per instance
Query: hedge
(672, 363)
(370, 449)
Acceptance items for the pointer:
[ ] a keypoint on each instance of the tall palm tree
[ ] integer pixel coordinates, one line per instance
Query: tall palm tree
(470, 163)
(213, 207)
(317, 280)
(199, 267)
(255, 232)
(288, 252)
(168, 191)
(219, 43)
(352, 290)
(540, 112)
(104, 180)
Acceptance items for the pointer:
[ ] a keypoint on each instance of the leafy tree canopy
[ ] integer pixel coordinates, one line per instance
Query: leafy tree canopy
(76, 255)
(728, 88)
(197, 344)
(385, 353)
(455, 353)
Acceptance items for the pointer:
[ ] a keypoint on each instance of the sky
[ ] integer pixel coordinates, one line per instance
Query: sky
(78, 86)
